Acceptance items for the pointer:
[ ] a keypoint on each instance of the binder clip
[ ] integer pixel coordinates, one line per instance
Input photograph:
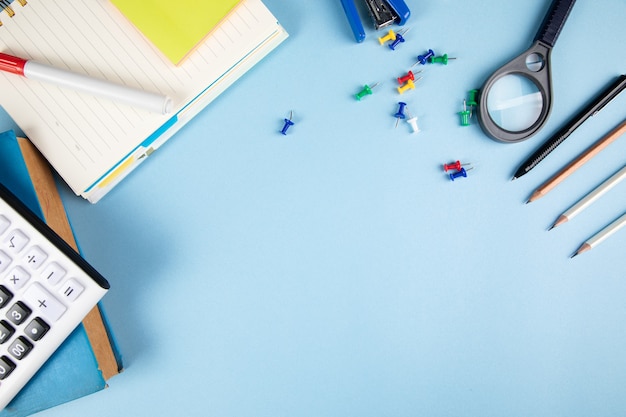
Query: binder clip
(383, 12)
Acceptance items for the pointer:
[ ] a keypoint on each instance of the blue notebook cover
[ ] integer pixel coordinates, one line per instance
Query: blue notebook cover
(72, 371)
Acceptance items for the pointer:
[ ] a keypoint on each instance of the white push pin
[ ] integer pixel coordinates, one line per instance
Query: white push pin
(412, 120)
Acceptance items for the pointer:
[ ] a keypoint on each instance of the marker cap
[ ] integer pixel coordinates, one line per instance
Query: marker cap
(10, 63)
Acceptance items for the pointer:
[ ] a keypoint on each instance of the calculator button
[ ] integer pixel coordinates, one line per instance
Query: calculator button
(35, 257)
(5, 296)
(44, 303)
(36, 329)
(17, 278)
(53, 273)
(5, 260)
(20, 348)
(18, 313)
(15, 241)
(6, 331)
(71, 290)
(4, 224)
(6, 367)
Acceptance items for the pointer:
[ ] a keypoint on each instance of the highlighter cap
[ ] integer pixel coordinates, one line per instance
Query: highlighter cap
(12, 64)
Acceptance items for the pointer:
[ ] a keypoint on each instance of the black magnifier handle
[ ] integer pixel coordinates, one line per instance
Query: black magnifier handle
(531, 71)
(554, 21)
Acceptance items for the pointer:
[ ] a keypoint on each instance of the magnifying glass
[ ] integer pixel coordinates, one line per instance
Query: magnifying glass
(516, 100)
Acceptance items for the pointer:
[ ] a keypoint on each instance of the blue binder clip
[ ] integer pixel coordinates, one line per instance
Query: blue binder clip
(383, 12)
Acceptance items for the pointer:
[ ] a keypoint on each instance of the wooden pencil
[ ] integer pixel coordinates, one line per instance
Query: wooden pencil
(590, 198)
(602, 235)
(592, 151)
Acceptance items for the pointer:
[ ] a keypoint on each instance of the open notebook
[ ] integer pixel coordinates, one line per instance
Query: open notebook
(92, 142)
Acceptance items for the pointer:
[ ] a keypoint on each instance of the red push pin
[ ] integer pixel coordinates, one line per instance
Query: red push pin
(408, 76)
(455, 166)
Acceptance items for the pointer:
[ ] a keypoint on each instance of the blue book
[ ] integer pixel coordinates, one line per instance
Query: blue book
(73, 370)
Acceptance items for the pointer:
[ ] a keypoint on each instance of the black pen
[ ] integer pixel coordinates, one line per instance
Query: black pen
(601, 100)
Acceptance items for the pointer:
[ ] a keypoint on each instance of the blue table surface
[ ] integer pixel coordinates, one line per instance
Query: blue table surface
(336, 271)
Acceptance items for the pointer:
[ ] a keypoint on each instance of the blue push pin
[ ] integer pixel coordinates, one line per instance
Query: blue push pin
(399, 39)
(400, 113)
(288, 123)
(460, 173)
(423, 59)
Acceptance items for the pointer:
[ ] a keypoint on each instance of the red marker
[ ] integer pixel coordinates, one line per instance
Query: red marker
(40, 72)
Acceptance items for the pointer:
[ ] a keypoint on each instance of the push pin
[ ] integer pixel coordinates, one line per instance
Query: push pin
(399, 39)
(472, 101)
(408, 76)
(465, 115)
(443, 59)
(288, 123)
(400, 113)
(456, 166)
(390, 36)
(367, 90)
(412, 121)
(423, 59)
(409, 85)
(460, 173)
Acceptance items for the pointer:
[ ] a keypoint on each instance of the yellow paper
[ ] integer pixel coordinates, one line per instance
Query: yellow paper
(175, 28)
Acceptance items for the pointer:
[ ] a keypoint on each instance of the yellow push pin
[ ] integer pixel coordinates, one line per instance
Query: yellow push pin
(409, 85)
(391, 36)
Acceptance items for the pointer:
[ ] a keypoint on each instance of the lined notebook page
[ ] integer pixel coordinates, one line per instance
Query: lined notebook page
(83, 136)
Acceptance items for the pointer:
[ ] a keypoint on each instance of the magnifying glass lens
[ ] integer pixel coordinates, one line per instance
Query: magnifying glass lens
(514, 102)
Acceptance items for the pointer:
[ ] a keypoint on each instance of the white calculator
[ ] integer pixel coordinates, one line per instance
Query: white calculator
(46, 289)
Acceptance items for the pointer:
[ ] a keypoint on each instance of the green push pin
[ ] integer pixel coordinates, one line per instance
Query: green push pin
(443, 59)
(367, 90)
(471, 100)
(465, 115)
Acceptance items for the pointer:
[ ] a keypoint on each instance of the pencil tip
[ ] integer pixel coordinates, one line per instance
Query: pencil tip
(562, 219)
(583, 248)
(534, 197)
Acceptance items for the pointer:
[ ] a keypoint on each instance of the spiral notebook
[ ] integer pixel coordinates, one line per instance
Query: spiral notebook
(94, 143)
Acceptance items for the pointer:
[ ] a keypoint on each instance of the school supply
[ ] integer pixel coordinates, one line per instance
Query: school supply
(598, 103)
(383, 13)
(88, 358)
(175, 29)
(590, 198)
(582, 159)
(94, 143)
(46, 289)
(602, 235)
(32, 70)
(516, 100)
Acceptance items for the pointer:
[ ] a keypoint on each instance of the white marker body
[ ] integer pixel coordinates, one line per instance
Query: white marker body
(149, 101)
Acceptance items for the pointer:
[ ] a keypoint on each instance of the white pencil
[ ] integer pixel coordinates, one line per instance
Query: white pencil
(602, 235)
(590, 198)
